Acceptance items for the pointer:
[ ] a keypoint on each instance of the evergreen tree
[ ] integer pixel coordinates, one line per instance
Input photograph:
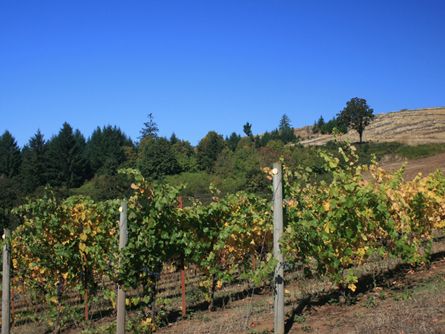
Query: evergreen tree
(10, 157)
(208, 150)
(233, 140)
(106, 150)
(150, 128)
(334, 123)
(10, 160)
(9, 198)
(34, 164)
(247, 129)
(315, 128)
(156, 158)
(67, 165)
(173, 139)
(320, 124)
(285, 130)
(284, 123)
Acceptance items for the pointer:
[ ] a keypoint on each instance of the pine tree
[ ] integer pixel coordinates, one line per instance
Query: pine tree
(173, 139)
(10, 156)
(67, 165)
(285, 130)
(247, 129)
(34, 164)
(106, 150)
(150, 128)
(233, 140)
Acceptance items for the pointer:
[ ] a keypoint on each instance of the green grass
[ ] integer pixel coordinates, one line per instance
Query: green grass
(402, 150)
(380, 150)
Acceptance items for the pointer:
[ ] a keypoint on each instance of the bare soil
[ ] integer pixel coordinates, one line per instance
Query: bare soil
(412, 304)
(407, 301)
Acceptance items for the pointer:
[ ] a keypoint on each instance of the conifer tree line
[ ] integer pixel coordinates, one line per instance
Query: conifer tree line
(74, 164)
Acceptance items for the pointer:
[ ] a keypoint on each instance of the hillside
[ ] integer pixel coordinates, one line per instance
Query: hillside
(420, 126)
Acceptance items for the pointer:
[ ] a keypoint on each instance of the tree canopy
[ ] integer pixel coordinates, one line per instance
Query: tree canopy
(357, 115)
(208, 150)
(157, 158)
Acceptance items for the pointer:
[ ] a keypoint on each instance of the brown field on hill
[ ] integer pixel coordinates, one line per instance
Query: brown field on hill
(412, 127)
(413, 167)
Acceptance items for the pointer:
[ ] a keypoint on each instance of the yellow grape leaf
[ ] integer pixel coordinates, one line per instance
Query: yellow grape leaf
(327, 227)
(134, 186)
(82, 247)
(352, 287)
(326, 206)
(83, 236)
(219, 284)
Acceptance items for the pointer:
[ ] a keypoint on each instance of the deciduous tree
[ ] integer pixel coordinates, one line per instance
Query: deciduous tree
(156, 158)
(357, 115)
(208, 150)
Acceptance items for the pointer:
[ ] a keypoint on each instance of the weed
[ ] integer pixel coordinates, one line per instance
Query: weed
(307, 329)
(299, 319)
(371, 302)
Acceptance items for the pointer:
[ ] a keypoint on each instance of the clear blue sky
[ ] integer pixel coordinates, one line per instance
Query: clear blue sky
(213, 65)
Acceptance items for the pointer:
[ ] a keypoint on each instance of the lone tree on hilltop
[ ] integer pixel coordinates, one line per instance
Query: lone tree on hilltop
(247, 129)
(357, 115)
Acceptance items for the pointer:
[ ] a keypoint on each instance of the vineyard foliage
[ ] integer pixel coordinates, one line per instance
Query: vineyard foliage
(357, 212)
(63, 245)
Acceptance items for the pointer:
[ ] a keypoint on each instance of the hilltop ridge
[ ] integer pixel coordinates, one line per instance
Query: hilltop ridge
(412, 127)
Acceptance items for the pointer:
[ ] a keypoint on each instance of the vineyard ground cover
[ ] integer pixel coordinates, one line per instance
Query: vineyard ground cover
(397, 299)
(168, 288)
(241, 310)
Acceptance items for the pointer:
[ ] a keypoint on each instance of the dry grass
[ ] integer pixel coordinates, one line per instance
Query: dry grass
(413, 127)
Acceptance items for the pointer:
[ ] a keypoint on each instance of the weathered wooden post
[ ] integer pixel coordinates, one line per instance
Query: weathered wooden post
(6, 316)
(183, 294)
(123, 238)
(277, 233)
